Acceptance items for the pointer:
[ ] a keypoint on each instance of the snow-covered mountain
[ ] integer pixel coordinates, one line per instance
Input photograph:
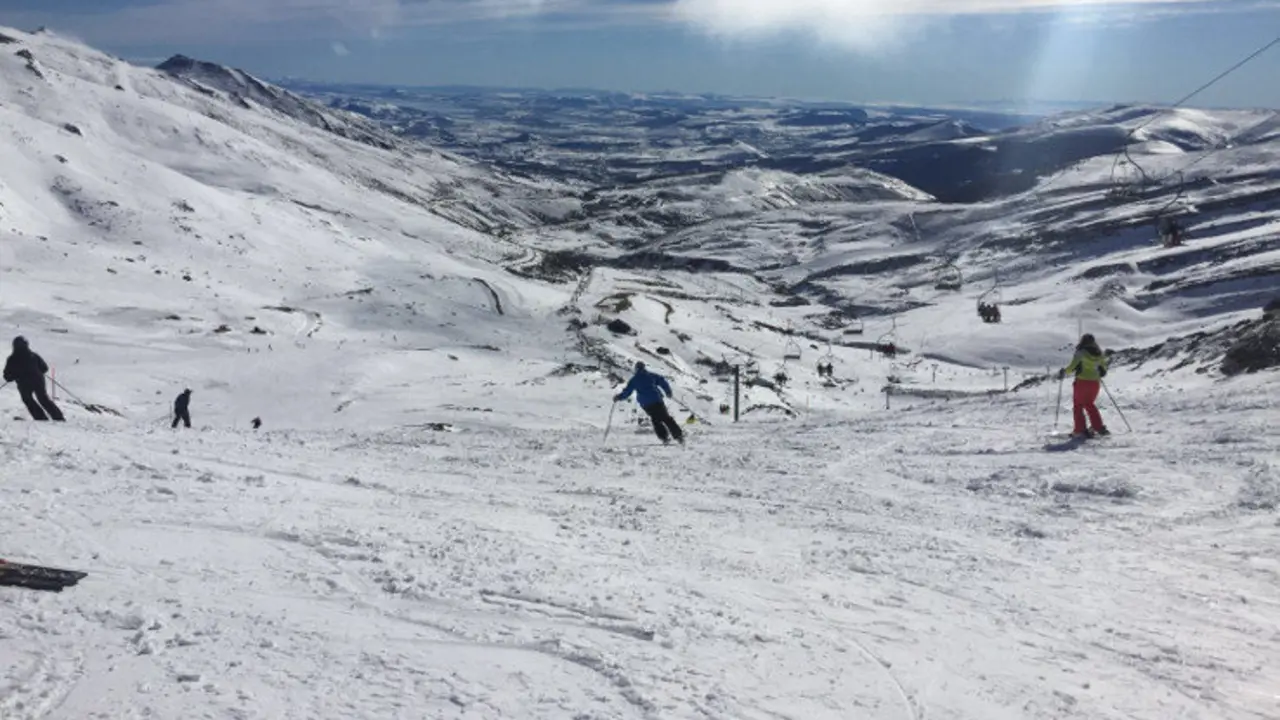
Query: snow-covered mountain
(823, 203)
(431, 310)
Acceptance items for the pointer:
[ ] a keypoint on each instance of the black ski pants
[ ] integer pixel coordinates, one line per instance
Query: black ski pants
(663, 424)
(37, 400)
(182, 416)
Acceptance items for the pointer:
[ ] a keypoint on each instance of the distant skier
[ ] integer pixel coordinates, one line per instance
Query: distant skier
(1089, 365)
(182, 409)
(27, 369)
(257, 423)
(649, 388)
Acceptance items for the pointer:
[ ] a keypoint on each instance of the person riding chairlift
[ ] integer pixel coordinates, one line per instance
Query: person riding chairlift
(1171, 233)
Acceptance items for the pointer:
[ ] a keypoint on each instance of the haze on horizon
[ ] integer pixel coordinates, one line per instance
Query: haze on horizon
(957, 52)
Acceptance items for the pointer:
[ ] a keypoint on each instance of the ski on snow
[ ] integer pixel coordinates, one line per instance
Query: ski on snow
(1058, 442)
(38, 577)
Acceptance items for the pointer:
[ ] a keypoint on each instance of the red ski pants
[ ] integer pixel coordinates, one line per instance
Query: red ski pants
(1085, 395)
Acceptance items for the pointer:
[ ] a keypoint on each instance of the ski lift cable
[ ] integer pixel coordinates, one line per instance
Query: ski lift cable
(1180, 173)
(1222, 75)
(1227, 145)
(1186, 98)
(1216, 79)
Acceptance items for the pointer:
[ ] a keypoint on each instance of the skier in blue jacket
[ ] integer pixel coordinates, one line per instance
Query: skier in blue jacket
(649, 388)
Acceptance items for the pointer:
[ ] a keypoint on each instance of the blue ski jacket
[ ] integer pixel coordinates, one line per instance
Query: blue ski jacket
(646, 386)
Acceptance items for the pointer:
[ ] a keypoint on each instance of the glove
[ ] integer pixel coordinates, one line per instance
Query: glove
(617, 398)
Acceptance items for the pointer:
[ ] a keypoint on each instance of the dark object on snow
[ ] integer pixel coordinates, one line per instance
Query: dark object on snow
(72, 129)
(989, 312)
(619, 327)
(38, 577)
(26, 369)
(182, 409)
(257, 423)
(1171, 233)
(791, 301)
(1256, 348)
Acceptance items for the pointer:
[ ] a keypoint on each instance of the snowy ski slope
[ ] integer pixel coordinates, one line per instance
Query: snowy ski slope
(431, 524)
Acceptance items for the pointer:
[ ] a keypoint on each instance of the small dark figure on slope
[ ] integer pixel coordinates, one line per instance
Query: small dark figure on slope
(182, 409)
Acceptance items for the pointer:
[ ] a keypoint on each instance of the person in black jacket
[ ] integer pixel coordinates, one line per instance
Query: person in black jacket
(27, 369)
(182, 409)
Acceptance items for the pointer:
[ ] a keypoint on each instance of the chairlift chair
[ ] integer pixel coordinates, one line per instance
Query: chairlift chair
(780, 375)
(989, 305)
(989, 302)
(855, 327)
(887, 344)
(1128, 178)
(791, 351)
(1125, 180)
(1171, 232)
(948, 277)
(826, 364)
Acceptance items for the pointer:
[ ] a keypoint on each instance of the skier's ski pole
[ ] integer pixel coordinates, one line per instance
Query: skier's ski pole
(1116, 405)
(1057, 409)
(687, 409)
(69, 393)
(610, 423)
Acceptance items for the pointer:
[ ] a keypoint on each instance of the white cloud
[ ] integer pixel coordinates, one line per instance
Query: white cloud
(872, 26)
(860, 25)
(340, 49)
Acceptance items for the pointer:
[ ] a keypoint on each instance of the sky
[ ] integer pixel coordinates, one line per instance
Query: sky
(943, 52)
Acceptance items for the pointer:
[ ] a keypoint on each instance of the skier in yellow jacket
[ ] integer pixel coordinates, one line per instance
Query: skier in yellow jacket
(1089, 365)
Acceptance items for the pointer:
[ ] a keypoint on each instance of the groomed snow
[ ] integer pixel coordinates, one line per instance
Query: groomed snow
(934, 561)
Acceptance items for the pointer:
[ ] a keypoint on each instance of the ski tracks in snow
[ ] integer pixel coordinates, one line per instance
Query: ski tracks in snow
(829, 571)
